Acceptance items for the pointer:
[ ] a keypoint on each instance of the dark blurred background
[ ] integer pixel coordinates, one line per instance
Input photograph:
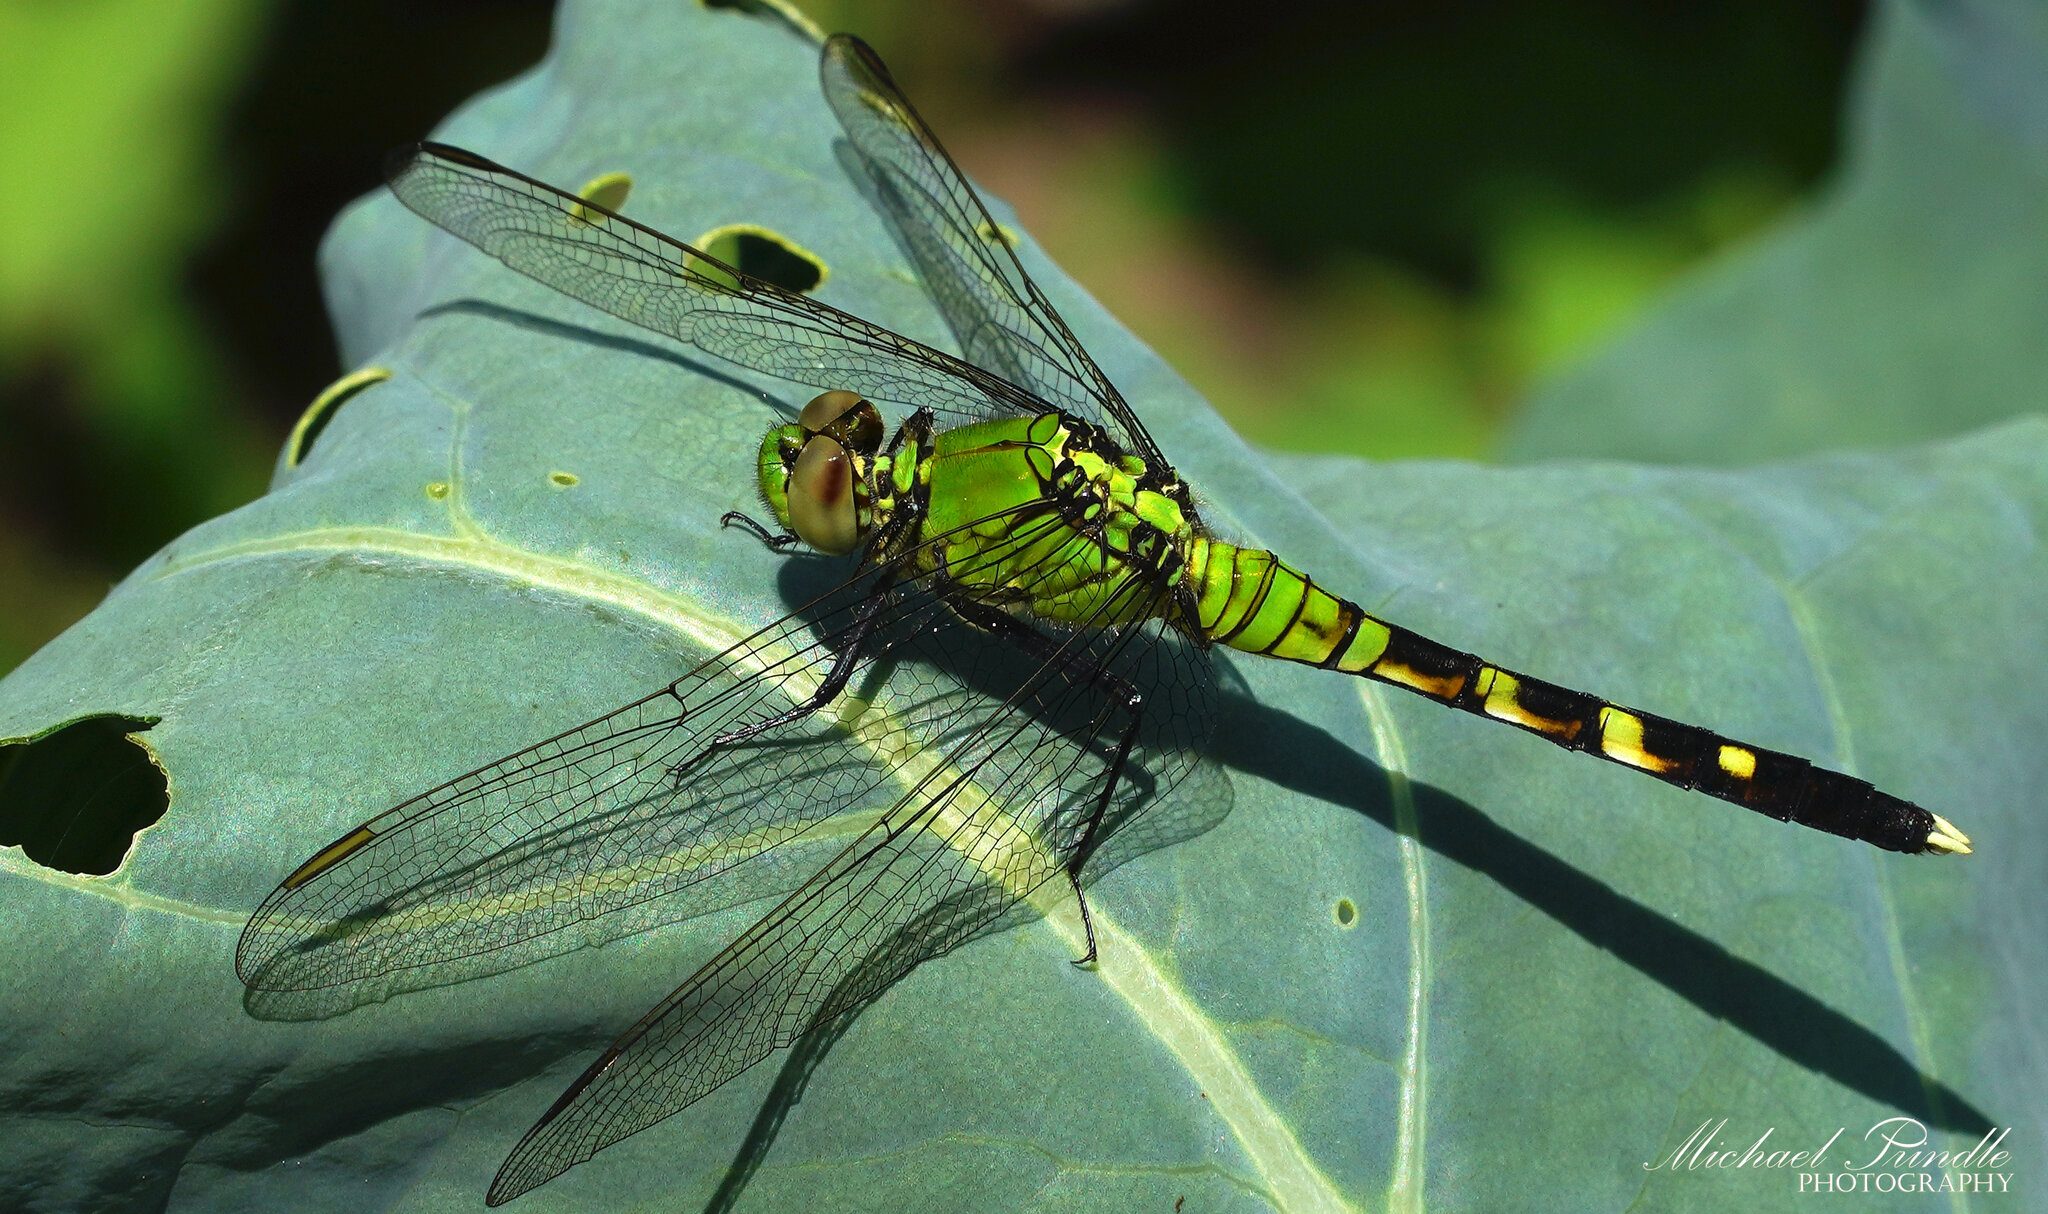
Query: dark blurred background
(1361, 227)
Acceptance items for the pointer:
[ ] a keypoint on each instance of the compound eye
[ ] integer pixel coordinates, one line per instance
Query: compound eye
(821, 498)
(825, 409)
(846, 416)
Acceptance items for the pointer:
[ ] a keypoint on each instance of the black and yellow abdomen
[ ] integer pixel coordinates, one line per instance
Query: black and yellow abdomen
(1249, 599)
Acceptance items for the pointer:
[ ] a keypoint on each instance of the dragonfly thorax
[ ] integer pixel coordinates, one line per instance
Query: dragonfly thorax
(814, 471)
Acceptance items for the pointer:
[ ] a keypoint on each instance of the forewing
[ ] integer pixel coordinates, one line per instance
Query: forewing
(997, 806)
(572, 841)
(639, 275)
(1001, 319)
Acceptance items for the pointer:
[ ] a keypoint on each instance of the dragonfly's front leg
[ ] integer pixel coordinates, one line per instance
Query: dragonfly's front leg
(777, 541)
(845, 659)
(1126, 697)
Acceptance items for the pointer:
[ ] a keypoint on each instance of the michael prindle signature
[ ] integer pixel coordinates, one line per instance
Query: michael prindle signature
(1892, 1156)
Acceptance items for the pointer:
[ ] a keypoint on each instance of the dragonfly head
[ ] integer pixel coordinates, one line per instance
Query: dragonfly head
(813, 471)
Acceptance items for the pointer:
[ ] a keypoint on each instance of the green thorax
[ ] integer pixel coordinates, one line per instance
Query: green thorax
(1044, 516)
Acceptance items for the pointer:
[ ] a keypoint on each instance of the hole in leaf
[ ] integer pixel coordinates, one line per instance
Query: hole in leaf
(760, 253)
(607, 190)
(567, 480)
(1346, 912)
(75, 797)
(322, 410)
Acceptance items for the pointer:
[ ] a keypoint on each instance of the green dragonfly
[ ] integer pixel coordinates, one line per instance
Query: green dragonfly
(1017, 666)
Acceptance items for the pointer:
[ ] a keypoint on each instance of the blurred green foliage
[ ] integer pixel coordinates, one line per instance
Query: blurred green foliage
(1355, 228)
(1907, 300)
(114, 408)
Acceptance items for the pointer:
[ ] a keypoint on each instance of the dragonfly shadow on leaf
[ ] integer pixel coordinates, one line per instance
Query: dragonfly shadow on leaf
(1260, 740)
(1266, 742)
(920, 939)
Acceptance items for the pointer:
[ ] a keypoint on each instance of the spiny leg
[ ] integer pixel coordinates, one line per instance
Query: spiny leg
(843, 662)
(1129, 699)
(781, 541)
(844, 659)
(916, 428)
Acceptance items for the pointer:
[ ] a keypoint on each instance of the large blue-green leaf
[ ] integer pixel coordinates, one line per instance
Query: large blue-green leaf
(1425, 961)
(1907, 304)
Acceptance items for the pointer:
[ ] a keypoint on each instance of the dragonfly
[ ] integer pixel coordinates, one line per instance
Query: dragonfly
(1018, 663)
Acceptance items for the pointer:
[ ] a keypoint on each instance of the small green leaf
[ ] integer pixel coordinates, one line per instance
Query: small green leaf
(1550, 968)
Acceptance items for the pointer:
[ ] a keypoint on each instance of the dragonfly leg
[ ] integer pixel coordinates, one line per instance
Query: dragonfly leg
(1129, 699)
(1134, 706)
(1087, 920)
(843, 663)
(777, 541)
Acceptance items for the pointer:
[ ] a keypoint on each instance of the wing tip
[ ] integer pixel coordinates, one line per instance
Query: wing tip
(530, 1165)
(844, 46)
(401, 161)
(258, 955)
(843, 42)
(259, 946)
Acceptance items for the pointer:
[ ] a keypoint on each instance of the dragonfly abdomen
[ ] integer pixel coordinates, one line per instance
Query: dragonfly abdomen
(1249, 599)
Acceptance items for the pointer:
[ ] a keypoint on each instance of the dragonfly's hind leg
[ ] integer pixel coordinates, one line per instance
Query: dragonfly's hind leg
(1127, 697)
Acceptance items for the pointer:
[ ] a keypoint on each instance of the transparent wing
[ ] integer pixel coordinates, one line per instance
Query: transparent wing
(1001, 319)
(580, 838)
(659, 283)
(980, 765)
(997, 806)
